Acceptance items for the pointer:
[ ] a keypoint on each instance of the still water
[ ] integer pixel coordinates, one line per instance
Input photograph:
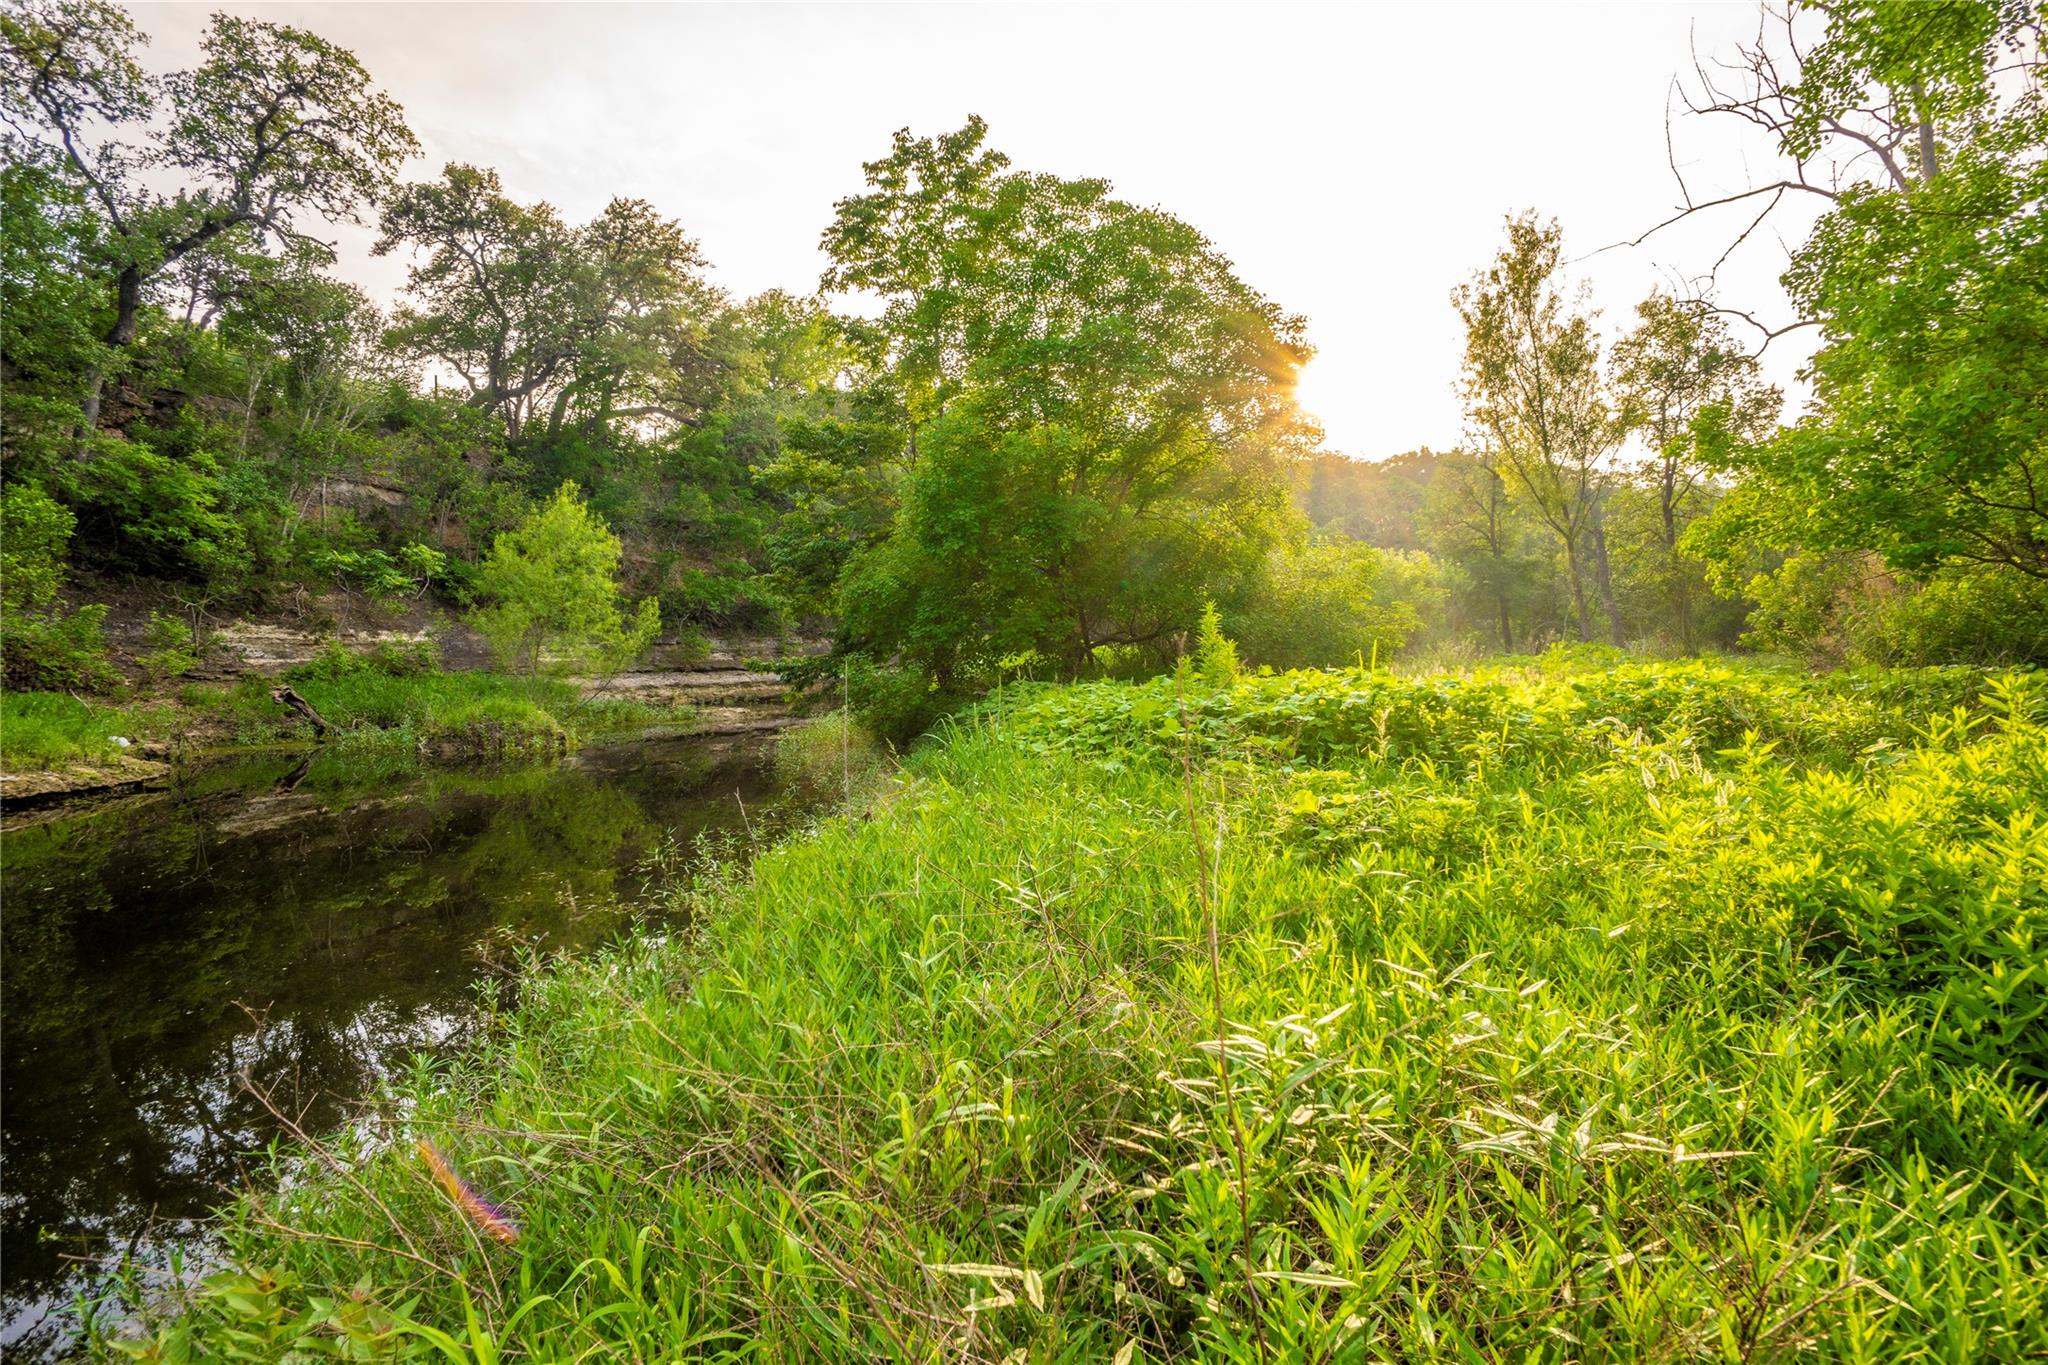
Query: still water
(310, 924)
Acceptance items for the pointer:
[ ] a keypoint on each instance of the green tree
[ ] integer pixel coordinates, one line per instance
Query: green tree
(51, 313)
(1100, 413)
(1922, 128)
(1377, 501)
(1535, 395)
(1697, 400)
(554, 585)
(275, 123)
(546, 323)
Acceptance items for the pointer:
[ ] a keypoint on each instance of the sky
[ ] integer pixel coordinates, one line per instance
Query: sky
(1356, 162)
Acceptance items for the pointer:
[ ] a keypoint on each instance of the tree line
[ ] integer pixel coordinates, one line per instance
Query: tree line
(1069, 428)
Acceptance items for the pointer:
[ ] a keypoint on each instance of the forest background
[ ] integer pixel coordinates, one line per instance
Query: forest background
(1059, 430)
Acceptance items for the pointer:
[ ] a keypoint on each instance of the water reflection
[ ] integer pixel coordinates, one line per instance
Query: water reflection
(310, 924)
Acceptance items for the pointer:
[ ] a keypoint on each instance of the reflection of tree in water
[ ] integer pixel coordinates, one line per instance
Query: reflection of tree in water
(311, 934)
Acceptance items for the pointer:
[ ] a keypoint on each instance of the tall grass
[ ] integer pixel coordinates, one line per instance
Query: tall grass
(1534, 1018)
(830, 757)
(47, 729)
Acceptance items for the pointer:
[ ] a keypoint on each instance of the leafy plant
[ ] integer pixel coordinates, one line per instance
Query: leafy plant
(174, 647)
(43, 646)
(554, 585)
(1548, 1013)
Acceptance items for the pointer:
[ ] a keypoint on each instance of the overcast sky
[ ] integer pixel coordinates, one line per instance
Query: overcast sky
(1355, 161)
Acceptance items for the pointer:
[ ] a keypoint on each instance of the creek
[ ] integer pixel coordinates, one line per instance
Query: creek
(280, 933)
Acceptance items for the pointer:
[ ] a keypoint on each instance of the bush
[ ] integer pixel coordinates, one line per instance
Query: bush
(1847, 608)
(554, 581)
(895, 705)
(831, 757)
(387, 658)
(43, 647)
(34, 532)
(57, 652)
(145, 510)
(174, 648)
(1333, 602)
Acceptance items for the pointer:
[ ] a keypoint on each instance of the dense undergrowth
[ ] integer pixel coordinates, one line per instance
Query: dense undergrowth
(388, 700)
(1667, 1013)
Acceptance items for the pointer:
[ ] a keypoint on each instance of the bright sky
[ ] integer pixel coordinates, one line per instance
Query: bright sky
(1354, 161)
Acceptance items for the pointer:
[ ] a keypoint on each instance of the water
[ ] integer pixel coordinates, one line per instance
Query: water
(309, 923)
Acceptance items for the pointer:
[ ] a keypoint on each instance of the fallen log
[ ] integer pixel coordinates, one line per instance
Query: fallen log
(286, 697)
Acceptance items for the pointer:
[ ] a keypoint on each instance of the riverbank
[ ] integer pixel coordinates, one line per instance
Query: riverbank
(58, 745)
(1651, 1013)
(393, 697)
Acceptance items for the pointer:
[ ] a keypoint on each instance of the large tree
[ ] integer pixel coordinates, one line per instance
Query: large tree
(1697, 400)
(1537, 400)
(1101, 408)
(547, 322)
(275, 125)
(1921, 131)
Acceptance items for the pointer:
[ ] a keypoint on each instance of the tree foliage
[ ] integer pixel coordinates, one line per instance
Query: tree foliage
(1099, 412)
(275, 123)
(1927, 442)
(553, 582)
(1535, 394)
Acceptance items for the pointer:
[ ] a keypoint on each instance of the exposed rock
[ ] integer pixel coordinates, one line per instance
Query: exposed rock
(117, 774)
(702, 686)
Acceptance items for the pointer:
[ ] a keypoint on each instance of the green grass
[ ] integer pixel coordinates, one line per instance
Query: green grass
(372, 704)
(1670, 1013)
(52, 729)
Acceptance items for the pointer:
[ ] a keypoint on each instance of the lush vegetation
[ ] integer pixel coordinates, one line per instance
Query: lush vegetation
(1070, 426)
(1672, 1012)
(47, 729)
(1173, 1004)
(389, 699)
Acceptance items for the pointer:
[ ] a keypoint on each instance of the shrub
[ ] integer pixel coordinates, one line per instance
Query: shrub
(34, 531)
(1839, 608)
(1333, 601)
(42, 646)
(895, 705)
(830, 756)
(1215, 661)
(146, 510)
(554, 581)
(57, 651)
(173, 648)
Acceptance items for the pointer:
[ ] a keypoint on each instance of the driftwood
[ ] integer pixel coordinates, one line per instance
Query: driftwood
(284, 696)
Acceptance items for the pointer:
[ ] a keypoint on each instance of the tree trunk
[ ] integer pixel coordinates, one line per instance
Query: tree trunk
(284, 696)
(1571, 564)
(1507, 629)
(89, 408)
(1603, 579)
(127, 304)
